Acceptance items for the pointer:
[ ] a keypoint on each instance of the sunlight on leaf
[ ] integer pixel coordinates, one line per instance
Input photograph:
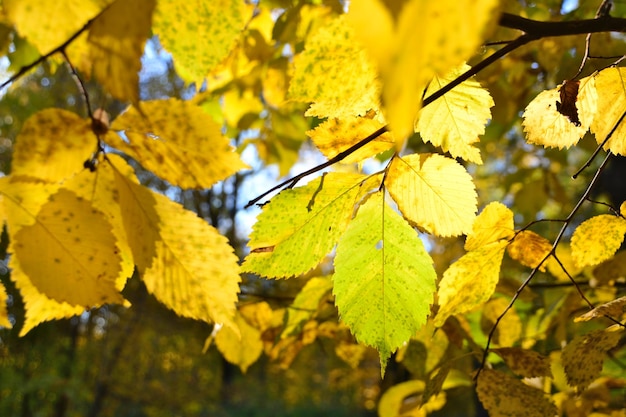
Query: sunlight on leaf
(70, 253)
(335, 74)
(178, 141)
(53, 145)
(495, 222)
(615, 309)
(300, 226)
(525, 363)
(583, 357)
(611, 106)
(433, 192)
(597, 239)
(4, 314)
(544, 125)
(529, 249)
(454, 121)
(470, 281)
(198, 34)
(384, 278)
(502, 395)
(116, 42)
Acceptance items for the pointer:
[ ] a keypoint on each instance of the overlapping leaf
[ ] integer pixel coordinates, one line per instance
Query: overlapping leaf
(300, 226)
(433, 192)
(529, 249)
(614, 309)
(495, 222)
(177, 141)
(454, 121)
(470, 281)
(611, 106)
(597, 239)
(306, 304)
(525, 363)
(545, 125)
(241, 348)
(384, 278)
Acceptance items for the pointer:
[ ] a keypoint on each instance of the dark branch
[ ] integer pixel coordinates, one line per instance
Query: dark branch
(540, 29)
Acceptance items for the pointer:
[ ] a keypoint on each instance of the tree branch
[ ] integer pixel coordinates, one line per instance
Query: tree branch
(539, 29)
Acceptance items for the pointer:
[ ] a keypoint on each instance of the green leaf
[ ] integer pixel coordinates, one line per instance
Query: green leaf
(384, 278)
(300, 226)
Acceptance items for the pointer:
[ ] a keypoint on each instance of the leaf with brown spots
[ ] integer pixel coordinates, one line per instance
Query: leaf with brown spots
(529, 249)
(525, 363)
(178, 141)
(614, 309)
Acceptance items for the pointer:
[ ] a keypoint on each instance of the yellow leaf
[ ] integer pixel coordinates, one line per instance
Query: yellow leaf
(433, 192)
(470, 281)
(525, 363)
(336, 135)
(52, 146)
(417, 45)
(597, 239)
(454, 121)
(611, 106)
(404, 400)
(614, 309)
(177, 141)
(69, 253)
(544, 125)
(116, 41)
(4, 314)
(495, 222)
(583, 357)
(306, 304)
(184, 261)
(529, 249)
(564, 254)
(351, 353)
(509, 328)
(502, 395)
(243, 348)
(335, 74)
(49, 23)
(199, 34)
(258, 314)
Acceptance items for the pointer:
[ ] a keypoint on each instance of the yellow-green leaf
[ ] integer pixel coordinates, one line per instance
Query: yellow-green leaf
(300, 226)
(544, 125)
(198, 34)
(306, 304)
(4, 314)
(336, 135)
(184, 261)
(529, 249)
(470, 281)
(583, 357)
(454, 121)
(495, 222)
(614, 309)
(525, 363)
(503, 395)
(611, 105)
(384, 278)
(52, 146)
(335, 74)
(433, 192)
(243, 348)
(49, 23)
(70, 253)
(116, 42)
(597, 239)
(416, 45)
(178, 141)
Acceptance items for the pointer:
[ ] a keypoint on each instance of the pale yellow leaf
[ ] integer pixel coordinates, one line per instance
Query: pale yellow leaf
(4, 314)
(433, 192)
(611, 105)
(455, 121)
(336, 135)
(495, 222)
(199, 34)
(416, 45)
(597, 239)
(544, 125)
(116, 41)
(335, 74)
(70, 253)
(178, 141)
(509, 327)
(470, 281)
(184, 261)
(525, 363)
(614, 309)
(241, 348)
(529, 249)
(583, 357)
(49, 23)
(503, 395)
(52, 146)
(405, 400)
